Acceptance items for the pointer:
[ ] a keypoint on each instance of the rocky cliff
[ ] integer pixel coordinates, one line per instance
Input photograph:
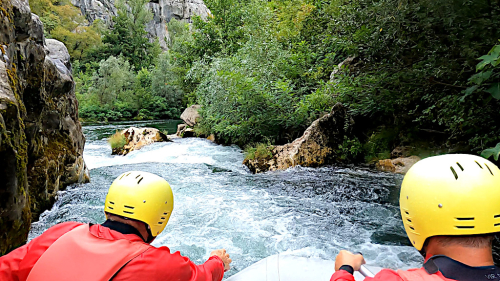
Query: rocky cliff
(163, 11)
(41, 142)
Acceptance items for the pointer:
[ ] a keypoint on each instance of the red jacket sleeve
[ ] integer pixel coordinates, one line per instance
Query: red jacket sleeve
(158, 264)
(383, 275)
(17, 264)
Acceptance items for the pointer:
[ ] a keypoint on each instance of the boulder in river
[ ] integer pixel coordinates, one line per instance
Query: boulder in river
(41, 139)
(136, 138)
(191, 115)
(319, 145)
(399, 165)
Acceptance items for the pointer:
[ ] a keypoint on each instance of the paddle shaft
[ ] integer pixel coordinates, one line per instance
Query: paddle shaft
(365, 271)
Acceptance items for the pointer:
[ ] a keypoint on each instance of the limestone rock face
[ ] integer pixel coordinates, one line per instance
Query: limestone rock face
(41, 141)
(97, 9)
(191, 115)
(163, 11)
(316, 147)
(183, 9)
(138, 137)
(58, 53)
(399, 165)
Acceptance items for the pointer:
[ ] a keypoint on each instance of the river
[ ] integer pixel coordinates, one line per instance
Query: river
(220, 204)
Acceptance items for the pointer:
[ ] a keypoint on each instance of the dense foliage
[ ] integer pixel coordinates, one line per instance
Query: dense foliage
(116, 92)
(127, 37)
(264, 70)
(126, 77)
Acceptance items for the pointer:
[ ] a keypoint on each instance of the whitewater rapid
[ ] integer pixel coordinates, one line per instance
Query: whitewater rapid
(219, 204)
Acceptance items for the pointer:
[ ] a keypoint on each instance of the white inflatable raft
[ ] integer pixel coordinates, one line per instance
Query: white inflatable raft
(292, 268)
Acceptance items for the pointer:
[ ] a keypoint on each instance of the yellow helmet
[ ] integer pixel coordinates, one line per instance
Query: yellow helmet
(453, 194)
(141, 196)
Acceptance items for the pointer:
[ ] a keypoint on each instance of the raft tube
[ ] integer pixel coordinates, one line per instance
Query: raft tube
(292, 268)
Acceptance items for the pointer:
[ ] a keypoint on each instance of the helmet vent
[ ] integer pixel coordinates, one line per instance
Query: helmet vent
(489, 169)
(111, 208)
(127, 212)
(139, 181)
(408, 220)
(479, 165)
(454, 173)
(111, 202)
(497, 216)
(465, 219)
(160, 222)
(407, 213)
(460, 166)
(162, 218)
(129, 207)
(497, 224)
(411, 227)
(165, 213)
(464, 226)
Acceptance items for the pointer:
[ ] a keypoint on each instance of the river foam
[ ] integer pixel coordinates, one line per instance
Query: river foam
(219, 204)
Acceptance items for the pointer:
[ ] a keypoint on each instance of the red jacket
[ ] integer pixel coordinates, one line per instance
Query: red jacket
(153, 264)
(383, 275)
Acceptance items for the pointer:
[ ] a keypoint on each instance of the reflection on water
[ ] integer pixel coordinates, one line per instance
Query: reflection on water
(218, 203)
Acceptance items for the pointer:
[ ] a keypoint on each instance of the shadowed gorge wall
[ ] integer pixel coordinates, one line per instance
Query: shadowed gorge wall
(41, 141)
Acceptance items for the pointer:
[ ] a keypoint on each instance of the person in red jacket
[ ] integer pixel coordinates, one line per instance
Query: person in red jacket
(450, 206)
(137, 207)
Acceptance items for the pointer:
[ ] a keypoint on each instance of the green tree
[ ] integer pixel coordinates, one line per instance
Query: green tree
(64, 22)
(127, 37)
(113, 82)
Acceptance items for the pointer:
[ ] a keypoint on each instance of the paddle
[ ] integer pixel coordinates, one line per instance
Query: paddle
(365, 271)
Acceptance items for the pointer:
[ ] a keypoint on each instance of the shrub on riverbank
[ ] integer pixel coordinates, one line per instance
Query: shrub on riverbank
(259, 151)
(117, 141)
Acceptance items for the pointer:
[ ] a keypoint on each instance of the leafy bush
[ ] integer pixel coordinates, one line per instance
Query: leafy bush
(495, 152)
(488, 78)
(245, 98)
(259, 151)
(117, 140)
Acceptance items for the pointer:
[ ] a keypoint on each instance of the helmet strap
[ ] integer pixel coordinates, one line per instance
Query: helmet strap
(424, 248)
(150, 238)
